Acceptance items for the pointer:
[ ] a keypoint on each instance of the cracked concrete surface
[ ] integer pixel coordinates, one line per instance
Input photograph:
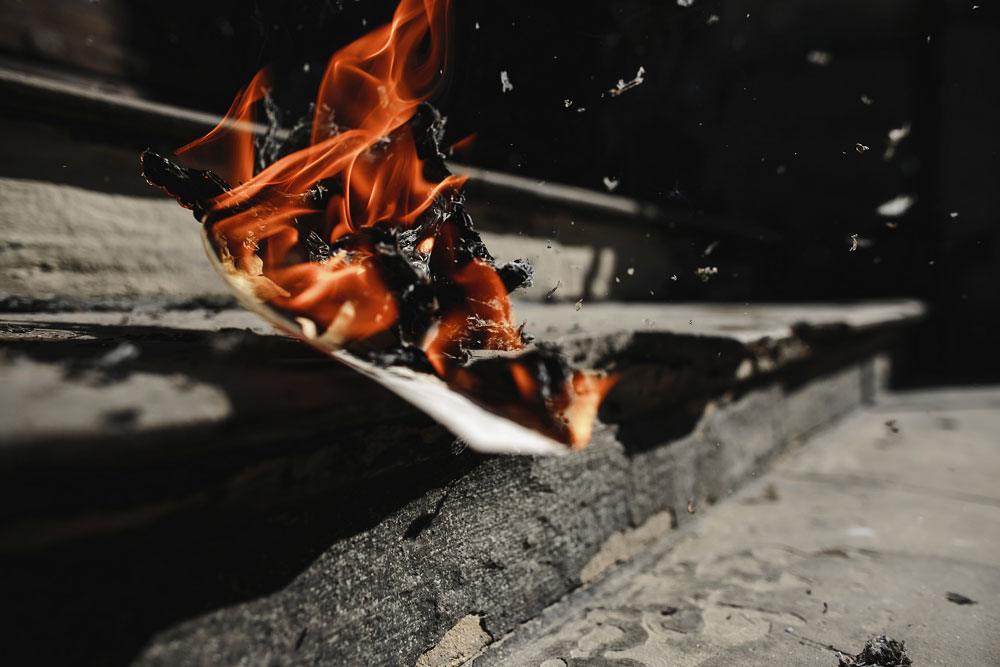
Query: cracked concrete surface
(878, 525)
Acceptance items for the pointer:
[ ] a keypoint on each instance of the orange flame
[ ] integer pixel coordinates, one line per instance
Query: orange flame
(361, 148)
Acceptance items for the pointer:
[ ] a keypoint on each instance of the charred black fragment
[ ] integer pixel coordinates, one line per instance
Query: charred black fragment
(515, 274)
(403, 272)
(192, 188)
(545, 365)
(399, 355)
(275, 143)
(880, 651)
(427, 126)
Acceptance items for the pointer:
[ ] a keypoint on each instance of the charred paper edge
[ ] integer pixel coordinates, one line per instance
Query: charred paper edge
(483, 430)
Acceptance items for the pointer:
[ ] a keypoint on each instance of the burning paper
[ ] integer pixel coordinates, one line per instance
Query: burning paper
(350, 234)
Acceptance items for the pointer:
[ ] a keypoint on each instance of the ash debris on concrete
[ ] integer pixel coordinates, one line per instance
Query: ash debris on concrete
(880, 651)
(959, 599)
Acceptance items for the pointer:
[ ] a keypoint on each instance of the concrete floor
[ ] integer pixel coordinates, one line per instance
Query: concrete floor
(887, 522)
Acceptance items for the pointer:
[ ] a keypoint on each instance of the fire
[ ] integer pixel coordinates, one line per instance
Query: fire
(359, 235)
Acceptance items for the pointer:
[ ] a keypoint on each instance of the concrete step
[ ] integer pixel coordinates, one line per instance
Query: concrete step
(220, 495)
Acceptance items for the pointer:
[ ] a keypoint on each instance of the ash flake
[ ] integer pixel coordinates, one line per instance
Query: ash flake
(505, 85)
(623, 85)
(820, 58)
(896, 207)
(706, 272)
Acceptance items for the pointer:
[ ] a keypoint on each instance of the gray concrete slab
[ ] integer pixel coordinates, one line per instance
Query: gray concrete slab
(709, 348)
(869, 528)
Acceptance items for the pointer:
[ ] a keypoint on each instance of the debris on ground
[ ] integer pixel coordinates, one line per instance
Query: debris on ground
(879, 651)
(958, 598)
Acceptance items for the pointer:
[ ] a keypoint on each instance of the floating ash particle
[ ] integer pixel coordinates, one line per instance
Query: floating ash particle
(710, 248)
(896, 135)
(953, 214)
(581, 109)
(630, 270)
(866, 100)
(714, 18)
(505, 85)
(685, 3)
(579, 304)
(623, 85)
(674, 277)
(891, 425)
(820, 58)
(691, 508)
(892, 225)
(896, 207)
(567, 103)
(861, 148)
(854, 243)
(305, 67)
(477, 25)
(899, 133)
(879, 651)
(610, 183)
(706, 272)
(548, 295)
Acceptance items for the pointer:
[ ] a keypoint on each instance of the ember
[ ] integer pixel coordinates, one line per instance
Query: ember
(350, 233)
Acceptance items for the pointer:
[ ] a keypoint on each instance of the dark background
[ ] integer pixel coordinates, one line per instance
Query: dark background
(732, 121)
